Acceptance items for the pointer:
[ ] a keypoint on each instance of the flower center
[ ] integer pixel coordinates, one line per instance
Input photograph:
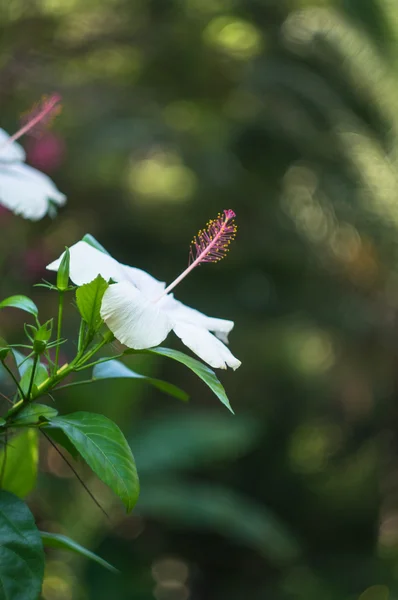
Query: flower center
(40, 116)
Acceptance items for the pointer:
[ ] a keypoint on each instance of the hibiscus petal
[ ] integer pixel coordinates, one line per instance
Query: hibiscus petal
(87, 262)
(152, 288)
(133, 319)
(23, 194)
(180, 312)
(206, 346)
(10, 152)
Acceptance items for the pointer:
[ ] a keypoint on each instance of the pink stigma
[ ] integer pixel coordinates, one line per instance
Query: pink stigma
(38, 118)
(210, 245)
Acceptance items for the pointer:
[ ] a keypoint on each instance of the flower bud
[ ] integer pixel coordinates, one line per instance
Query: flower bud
(63, 272)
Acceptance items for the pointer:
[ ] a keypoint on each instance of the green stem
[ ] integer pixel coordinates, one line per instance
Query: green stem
(14, 379)
(52, 381)
(98, 362)
(59, 327)
(32, 377)
(80, 343)
(93, 351)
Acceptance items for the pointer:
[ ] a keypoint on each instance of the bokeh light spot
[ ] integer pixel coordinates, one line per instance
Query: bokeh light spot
(182, 115)
(162, 177)
(235, 37)
(311, 446)
(311, 350)
(375, 592)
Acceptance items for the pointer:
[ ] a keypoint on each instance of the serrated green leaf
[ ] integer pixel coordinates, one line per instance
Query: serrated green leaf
(114, 369)
(202, 371)
(21, 551)
(21, 456)
(21, 302)
(31, 414)
(90, 239)
(89, 298)
(220, 509)
(104, 448)
(62, 542)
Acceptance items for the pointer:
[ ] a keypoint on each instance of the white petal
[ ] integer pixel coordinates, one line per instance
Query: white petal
(42, 181)
(206, 346)
(180, 312)
(10, 152)
(133, 319)
(152, 288)
(26, 191)
(87, 262)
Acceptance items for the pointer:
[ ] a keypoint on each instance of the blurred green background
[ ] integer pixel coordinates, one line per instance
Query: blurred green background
(287, 112)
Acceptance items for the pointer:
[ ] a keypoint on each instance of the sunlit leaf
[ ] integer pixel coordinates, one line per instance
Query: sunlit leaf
(21, 551)
(62, 542)
(114, 369)
(102, 445)
(21, 459)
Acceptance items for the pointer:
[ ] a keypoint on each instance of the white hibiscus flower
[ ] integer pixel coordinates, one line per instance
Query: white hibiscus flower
(23, 189)
(140, 311)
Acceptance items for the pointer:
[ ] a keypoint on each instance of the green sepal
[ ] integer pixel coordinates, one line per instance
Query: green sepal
(42, 337)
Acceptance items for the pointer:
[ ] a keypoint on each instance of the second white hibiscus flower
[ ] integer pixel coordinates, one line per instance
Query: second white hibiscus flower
(140, 311)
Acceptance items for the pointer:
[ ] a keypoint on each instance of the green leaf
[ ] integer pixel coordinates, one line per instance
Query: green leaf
(114, 369)
(102, 445)
(201, 370)
(40, 376)
(89, 298)
(21, 302)
(31, 414)
(21, 551)
(62, 542)
(171, 442)
(220, 509)
(21, 456)
(90, 239)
